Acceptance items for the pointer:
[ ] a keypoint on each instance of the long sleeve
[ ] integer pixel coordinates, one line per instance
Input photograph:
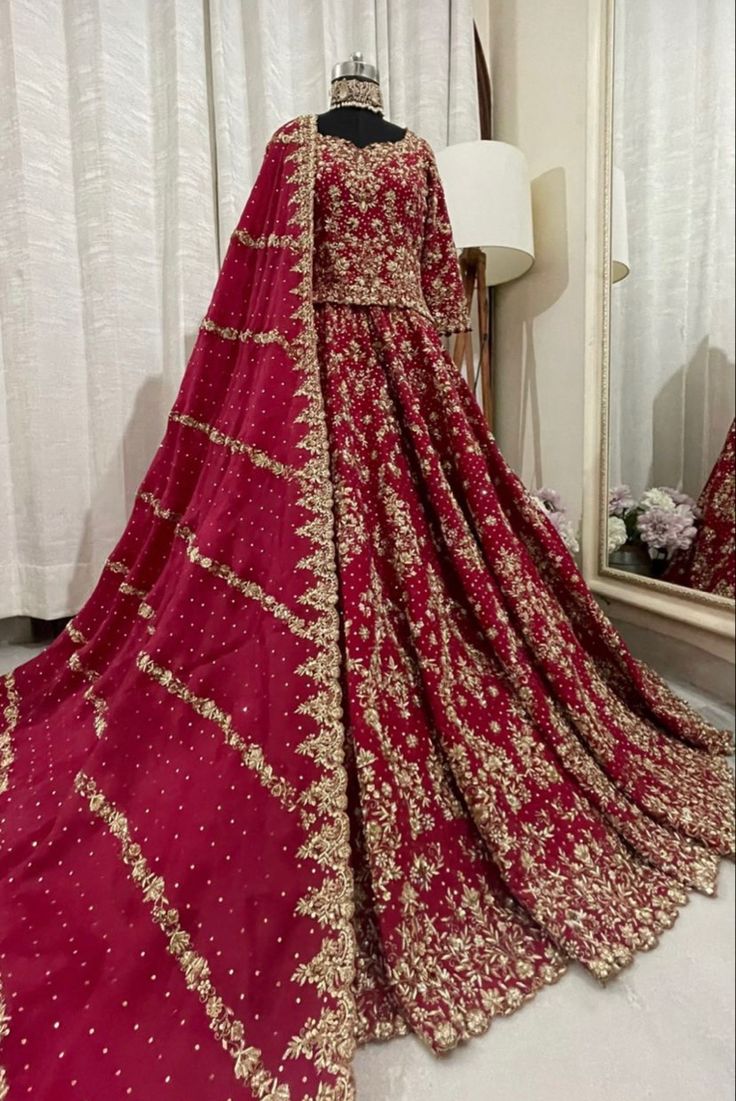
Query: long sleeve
(441, 280)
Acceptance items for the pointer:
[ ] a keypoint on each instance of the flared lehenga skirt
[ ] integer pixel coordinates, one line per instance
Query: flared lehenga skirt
(523, 791)
(520, 792)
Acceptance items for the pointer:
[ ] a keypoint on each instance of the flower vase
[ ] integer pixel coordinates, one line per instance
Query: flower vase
(631, 558)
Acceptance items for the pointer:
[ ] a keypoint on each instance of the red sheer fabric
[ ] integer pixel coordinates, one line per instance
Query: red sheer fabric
(710, 564)
(340, 746)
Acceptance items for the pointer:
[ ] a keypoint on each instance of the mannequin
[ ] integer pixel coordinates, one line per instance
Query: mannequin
(359, 122)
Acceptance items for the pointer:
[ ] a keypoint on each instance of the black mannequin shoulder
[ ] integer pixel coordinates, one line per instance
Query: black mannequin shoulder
(358, 125)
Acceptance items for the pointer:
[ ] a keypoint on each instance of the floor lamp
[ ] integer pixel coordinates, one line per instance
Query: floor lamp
(486, 184)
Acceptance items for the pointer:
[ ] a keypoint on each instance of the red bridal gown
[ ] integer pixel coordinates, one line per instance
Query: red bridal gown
(710, 563)
(341, 746)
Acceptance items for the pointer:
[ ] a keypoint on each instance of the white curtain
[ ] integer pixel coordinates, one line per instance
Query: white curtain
(672, 366)
(130, 134)
(107, 255)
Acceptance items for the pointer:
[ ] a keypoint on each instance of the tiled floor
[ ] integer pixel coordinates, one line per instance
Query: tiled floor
(662, 1031)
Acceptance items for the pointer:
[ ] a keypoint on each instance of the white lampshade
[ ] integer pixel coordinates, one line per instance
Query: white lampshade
(489, 201)
(620, 266)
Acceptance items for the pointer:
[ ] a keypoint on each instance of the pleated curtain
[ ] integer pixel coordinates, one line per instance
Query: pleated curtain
(130, 134)
(672, 320)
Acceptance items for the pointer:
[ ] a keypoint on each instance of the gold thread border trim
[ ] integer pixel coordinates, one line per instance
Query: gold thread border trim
(257, 336)
(226, 1028)
(328, 1041)
(238, 447)
(248, 588)
(11, 713)
(4, 1032)
(250, 752)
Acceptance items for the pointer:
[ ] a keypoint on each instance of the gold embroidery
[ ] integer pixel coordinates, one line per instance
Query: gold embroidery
(116, 567)
(159, 510)
(75, 634)
(238, 447)
(253, 591)
(144, 610)
(313, 632)
(4, 1031)
(130, 590)
(497, 962)
(99, 706)
(249, 752)
(10, 720)
(348, 91)
(288, 135)
(224, 1025)
(329, 1039)
(379, 1015)
(272, 336)
(270, 240)
(387, 191)
(348, 268)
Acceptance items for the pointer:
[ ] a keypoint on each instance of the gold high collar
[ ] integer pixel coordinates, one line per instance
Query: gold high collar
(349, 92)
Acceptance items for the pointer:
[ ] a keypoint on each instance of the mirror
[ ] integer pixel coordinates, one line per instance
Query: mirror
(669, 466)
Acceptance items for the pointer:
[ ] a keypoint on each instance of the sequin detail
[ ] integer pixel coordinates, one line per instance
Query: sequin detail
(224, 1025)
(251, 754)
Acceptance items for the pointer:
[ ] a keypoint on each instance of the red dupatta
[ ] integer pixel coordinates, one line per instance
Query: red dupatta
(183, 739)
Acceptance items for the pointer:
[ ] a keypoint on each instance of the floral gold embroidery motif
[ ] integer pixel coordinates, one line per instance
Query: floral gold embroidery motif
(330, 1039)
(99, 706)
(388, 192)
(75, 634)
(116, 567)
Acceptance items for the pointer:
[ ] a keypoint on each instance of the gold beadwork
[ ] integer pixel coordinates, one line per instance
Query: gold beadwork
(351, 92)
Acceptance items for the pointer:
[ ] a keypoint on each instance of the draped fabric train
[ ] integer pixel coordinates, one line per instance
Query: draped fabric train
(341, 746)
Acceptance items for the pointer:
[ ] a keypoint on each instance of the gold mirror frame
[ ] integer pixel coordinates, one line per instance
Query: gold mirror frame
(707, 613)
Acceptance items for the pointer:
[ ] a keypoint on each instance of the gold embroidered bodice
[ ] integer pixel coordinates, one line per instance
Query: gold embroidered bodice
(381, 231)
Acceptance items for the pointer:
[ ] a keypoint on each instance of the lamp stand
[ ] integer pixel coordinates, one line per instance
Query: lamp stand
(473, 270)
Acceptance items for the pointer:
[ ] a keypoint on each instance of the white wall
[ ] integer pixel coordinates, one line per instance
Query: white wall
(538, 52)
(538, 56)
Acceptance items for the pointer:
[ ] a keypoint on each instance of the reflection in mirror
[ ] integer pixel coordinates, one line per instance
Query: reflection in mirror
(671, 375)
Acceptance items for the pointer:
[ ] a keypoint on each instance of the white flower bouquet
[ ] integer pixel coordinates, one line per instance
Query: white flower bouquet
(661, 522)
(550, 502)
